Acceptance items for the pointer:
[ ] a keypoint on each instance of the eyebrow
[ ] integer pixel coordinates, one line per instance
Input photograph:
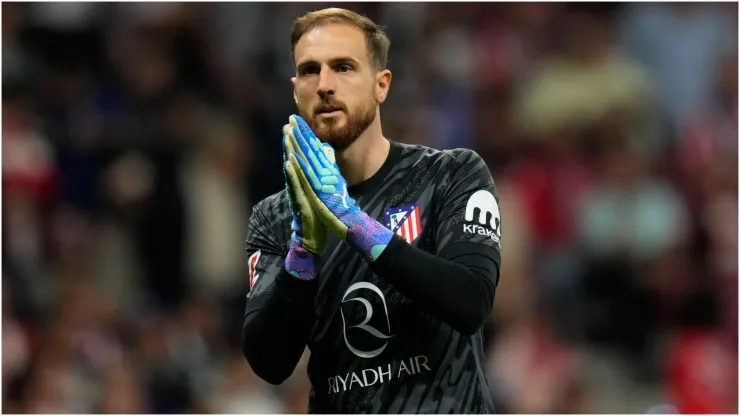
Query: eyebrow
(332, 62)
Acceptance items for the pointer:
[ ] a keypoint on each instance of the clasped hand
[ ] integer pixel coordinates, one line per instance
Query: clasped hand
(321, 199)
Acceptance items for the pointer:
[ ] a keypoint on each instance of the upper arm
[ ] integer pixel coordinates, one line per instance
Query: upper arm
(265, 253)
(469, 219)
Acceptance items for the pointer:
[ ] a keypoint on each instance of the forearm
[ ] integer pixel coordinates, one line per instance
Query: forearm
(275, 333)
(456, 287)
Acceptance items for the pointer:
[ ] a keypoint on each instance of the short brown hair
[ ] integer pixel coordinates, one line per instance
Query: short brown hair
(376, 39)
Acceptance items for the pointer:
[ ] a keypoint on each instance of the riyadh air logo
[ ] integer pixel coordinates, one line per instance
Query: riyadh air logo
(484, 204)
(368, 331)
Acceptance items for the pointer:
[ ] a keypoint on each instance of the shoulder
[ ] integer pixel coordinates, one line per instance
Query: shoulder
(272, 211)
(451, 158)
(269, 226)
(450, 168)
(272, 207)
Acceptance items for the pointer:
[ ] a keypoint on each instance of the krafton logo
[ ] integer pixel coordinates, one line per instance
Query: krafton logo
(484, 203)
(370, 330)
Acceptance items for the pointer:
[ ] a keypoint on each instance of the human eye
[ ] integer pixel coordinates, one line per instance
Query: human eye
(309, 70)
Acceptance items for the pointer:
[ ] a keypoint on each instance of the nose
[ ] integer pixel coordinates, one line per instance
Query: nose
(327, 83)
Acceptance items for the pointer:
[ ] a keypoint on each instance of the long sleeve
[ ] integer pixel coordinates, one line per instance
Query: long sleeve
(457, 286)
(277, 326)
(279, 312)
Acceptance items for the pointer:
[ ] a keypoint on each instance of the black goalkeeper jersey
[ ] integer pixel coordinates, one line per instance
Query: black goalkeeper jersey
(373, 350)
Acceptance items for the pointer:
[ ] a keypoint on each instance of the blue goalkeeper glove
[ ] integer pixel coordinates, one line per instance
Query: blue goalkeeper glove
(326, 190)
(308, 240)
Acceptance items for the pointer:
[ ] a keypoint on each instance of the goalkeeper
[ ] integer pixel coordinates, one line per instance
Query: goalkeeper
(381, 258)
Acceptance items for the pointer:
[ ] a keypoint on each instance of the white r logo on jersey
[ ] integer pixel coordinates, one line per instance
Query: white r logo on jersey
(364, 324)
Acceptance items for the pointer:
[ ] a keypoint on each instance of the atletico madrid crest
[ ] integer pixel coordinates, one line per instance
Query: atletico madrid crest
(404, 221)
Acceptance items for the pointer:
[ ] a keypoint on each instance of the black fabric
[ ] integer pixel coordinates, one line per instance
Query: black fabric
(457, 287)
(277, 326)
(366, 326)
(370, 185)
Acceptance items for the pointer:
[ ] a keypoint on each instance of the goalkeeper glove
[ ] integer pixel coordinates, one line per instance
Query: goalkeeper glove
(316, 168)
(308, 240)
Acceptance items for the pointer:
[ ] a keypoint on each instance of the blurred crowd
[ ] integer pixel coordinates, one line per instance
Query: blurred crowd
(137, 136)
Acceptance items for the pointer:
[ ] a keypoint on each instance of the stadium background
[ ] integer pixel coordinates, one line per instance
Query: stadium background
(137, 136)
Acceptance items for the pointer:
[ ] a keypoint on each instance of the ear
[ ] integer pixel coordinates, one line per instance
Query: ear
(295, 96)
(382, 85)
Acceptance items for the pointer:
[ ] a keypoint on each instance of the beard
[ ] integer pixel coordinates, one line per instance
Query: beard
(340, 137)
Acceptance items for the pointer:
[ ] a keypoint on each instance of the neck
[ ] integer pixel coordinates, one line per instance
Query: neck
(365, 156)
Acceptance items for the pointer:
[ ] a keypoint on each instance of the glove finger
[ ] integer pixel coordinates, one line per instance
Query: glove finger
(314, 181)
(292, 145)
(328, 157)
(295, 167)
(325, 153)
(310, 155)
(289, 196)
(288, 146)
(295, 183)
(324, 213)
(289, 142)
(302, 135)
(292, 142)
(297, 141)
(306, 166)
(307, 133)
(309, 143)
(287, 149)
(299, 197)
(285, 143)
(316, 144)
(300, 123)
(311, 228)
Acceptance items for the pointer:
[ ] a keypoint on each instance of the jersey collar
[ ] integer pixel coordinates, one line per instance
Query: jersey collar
(371, 183)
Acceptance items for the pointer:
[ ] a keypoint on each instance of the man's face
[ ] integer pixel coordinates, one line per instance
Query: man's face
(335, 83)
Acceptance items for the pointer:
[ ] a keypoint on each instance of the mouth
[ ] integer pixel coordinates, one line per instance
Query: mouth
(328, 112)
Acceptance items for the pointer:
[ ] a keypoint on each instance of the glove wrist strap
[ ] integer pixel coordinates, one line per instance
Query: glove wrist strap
(300, 262)
(369, 236)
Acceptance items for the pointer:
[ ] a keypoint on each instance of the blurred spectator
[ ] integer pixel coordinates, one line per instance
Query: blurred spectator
(239, 392)
(629, 223)
(702, 370)
(682, 45)
(589, 81)
(121, 393)
(217, 208)
(627, 213)
(528, 358)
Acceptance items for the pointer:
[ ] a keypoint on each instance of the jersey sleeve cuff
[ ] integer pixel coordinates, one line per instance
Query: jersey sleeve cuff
(396, 247)
(296, 290)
